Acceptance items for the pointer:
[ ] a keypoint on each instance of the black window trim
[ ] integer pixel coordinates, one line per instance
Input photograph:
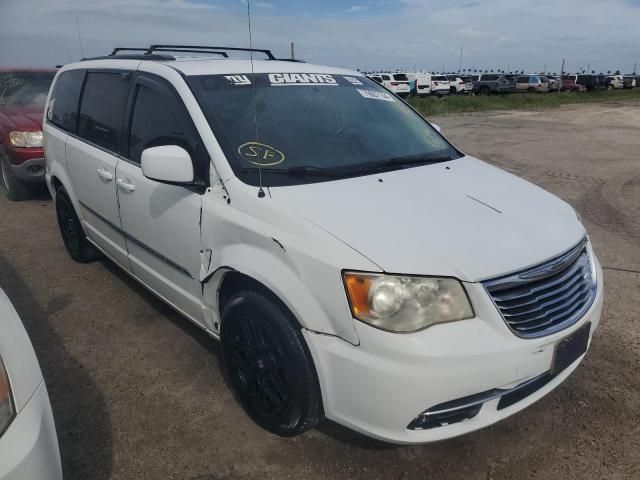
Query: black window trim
(140, 78)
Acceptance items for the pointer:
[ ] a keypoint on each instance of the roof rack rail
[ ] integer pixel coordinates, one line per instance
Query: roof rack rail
(206, 49)
(187, 50)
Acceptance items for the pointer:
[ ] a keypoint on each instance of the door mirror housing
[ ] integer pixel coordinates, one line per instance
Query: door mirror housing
(168, 164)
(436, 126)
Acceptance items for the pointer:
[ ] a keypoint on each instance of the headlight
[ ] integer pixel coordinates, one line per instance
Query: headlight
(405, 304)
(7, 411)
(26, 139)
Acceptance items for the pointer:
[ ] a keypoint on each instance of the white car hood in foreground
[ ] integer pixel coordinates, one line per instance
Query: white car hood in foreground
(463, 218)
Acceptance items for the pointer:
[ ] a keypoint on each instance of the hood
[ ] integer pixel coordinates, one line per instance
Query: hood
(23, 117)
(463, 218)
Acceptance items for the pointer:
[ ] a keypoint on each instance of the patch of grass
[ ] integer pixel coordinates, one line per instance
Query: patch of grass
(516, 101)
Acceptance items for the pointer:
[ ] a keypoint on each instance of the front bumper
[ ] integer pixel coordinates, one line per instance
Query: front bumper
(30, 171)
(29, 447)
(380, 386)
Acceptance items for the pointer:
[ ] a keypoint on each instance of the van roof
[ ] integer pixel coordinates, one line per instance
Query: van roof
(212, 66)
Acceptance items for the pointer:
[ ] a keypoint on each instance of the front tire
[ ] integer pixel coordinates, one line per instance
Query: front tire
(73, 236)
(268, 364)
(16, 190)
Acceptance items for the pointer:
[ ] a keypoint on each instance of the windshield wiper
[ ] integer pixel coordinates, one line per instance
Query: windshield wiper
(299, 171)
(394, 163)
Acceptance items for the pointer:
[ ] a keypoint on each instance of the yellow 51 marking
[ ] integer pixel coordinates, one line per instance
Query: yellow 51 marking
(260, 154)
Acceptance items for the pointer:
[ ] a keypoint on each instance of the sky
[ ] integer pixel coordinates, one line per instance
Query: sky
(510, 35)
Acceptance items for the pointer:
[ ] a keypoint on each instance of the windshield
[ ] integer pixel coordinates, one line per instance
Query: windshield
(25, 88)
(307, 128)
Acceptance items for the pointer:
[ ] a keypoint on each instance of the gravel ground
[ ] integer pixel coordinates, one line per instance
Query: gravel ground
(137, 392)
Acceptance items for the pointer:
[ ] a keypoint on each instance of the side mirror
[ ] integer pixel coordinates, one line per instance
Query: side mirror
(436, 126)
(167, 164)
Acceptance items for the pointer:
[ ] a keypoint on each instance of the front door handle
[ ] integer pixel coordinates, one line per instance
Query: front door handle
(125, 184)
(105, 174)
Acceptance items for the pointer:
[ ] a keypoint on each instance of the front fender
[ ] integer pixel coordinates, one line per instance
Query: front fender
(317, 301)
(299, 262)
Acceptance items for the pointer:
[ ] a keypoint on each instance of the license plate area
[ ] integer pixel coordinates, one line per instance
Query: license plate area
(570, 348)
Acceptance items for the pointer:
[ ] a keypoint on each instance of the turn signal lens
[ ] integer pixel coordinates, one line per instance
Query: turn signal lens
(7, 411)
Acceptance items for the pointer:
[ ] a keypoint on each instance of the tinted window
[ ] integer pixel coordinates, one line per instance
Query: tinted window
(24, 88)
(386, 77)
(62, 110)
(490, 77)
(440, 78)
(102, 108)
(523, 80)
(401, 77)
(159, 118)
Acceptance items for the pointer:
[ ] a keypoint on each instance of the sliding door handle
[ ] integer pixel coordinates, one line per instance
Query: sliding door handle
(125, 184)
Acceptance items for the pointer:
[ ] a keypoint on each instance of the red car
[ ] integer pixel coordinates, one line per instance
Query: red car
(569, 84)
(23, 93)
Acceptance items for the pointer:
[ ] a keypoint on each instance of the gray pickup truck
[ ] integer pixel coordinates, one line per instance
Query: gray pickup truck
(493, 83)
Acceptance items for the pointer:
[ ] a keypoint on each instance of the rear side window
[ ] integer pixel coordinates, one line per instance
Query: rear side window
(102, 108)
(158, 119)
(386, 77)
(440, 79)
(523, 80)
(62, 110)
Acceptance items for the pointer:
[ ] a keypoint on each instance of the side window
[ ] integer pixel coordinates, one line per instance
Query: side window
(160, 118)
(62, 110)
(533, 80)
(102, 108)
(523, 80)
(386, 77)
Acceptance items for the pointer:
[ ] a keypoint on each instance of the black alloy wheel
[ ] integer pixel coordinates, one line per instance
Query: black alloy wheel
(268, 364)
(71, 231)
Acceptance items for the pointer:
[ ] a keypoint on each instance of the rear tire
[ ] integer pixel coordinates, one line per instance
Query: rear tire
(73, 236)
(531, 90)
(16, 190)
(484, 90)
(268, 365)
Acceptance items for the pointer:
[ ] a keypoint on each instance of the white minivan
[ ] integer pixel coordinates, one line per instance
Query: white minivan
(353, 263)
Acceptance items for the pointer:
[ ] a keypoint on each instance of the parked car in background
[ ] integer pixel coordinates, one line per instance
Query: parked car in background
(398, 83)
(493, 299)
(555, 84)
(422, 82)
(28, 441)
(590, 82)
(375, 78)
(22, 96)
(615, 82)
(532, 84)
(460, 85)
(569, 84)
(440, 85)
(493, 83)
(629, 81)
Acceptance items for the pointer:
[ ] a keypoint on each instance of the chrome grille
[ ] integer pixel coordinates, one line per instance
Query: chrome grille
(549, 297)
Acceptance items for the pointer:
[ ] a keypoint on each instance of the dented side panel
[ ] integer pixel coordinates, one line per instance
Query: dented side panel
(297, 261)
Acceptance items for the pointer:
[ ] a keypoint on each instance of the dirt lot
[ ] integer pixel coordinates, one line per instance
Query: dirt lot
(137, 391)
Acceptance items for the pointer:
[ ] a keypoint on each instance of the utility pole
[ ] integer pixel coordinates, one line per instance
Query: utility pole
(460, 64)
(561, 71)
(293, 55)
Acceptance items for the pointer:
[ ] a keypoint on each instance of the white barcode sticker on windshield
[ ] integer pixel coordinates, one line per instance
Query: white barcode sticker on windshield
(374, 95)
